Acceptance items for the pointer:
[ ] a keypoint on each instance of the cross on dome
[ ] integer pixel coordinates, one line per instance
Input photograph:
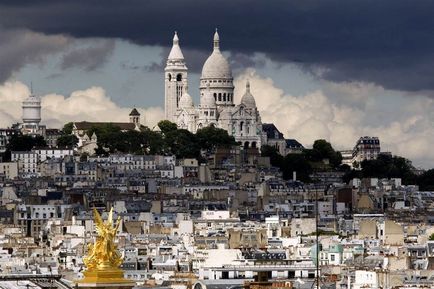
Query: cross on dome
(216, 40)
(175, 39)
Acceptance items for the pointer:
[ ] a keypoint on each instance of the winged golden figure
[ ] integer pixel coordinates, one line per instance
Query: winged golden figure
(103, 254)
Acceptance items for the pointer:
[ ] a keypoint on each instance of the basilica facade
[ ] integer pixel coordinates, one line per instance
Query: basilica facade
(216, 107)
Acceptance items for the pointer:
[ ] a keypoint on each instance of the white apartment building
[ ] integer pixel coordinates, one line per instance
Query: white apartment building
(27, 161)
(52, 153)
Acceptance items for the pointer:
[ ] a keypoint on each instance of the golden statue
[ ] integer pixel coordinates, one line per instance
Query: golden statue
(103, 258)
(104, 254)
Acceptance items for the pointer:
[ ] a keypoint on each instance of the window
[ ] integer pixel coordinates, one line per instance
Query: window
(332, 257)
(179, 77)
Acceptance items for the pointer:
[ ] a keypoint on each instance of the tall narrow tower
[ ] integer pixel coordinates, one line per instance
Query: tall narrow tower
(31, 114)
(175, 79)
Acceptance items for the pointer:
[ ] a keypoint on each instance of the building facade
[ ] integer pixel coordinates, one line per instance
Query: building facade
(216, 107)
(366, 148)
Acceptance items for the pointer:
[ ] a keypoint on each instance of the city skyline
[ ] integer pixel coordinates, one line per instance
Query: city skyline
(340, 80)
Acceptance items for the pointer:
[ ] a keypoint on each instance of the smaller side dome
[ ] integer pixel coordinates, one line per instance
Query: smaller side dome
(248, 100)
(186, 101)
(207, 100)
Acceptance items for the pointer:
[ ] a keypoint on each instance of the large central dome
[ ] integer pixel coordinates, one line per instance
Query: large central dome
(216, 66)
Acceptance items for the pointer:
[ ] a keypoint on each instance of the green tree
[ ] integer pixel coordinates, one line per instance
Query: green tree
(68, 140)
(110, 139)
(182, 143)
(25, 142)
(167, 126)
(276, 159)
(386, 166)
(322, 149)
(426, 181)
(67, 128)
(211, 137)
(152, 141)
(296, 163)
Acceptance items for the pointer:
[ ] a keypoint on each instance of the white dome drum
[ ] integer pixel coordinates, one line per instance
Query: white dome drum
(218, 74)
(207, 100)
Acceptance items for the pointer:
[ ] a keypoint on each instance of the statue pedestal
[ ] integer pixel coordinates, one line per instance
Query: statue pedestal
(112, 278)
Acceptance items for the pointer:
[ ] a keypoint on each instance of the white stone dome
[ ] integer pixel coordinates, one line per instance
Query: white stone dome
(186, 101)
(248, 100)
(216, 66)
(207, 100)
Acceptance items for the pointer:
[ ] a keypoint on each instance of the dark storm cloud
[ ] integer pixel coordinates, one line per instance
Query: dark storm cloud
(89, 58)
(389, 42)
(20, 46)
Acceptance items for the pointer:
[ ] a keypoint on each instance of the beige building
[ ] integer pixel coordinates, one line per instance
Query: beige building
(9, 170)
(368, 229)
(391, 233)
(303, 226)
(247, 238)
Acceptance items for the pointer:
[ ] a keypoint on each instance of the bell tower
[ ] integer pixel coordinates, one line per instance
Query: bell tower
(175, 81)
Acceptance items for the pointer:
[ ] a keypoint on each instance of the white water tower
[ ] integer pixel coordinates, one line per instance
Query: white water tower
(31, 113)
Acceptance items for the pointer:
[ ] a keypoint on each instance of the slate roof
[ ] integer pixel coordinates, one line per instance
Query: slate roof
(292, 143)
(271, 130)
(86, 125)
(134, 112)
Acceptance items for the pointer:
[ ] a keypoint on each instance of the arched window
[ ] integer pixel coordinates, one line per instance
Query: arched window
(220, 97)
(254, 144)
(246, 144)
(241, 126)
(224, 96)
(179, 77)
(215, 96)
(169, 76)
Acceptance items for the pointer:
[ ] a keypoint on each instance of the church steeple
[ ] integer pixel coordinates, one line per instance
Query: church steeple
(175, 79)
(216, 40)
(175, 52)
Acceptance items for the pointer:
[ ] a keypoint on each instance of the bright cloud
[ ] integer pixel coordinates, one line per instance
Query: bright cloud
(338, 113)
(341, 113)
(91, 104)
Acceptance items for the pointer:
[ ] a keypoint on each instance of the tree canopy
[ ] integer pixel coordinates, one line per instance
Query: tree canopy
(304, 163)
(67, 140)
(67, 128)
(322, 150)
(22, 143)
(25, 142)
(169, 140)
